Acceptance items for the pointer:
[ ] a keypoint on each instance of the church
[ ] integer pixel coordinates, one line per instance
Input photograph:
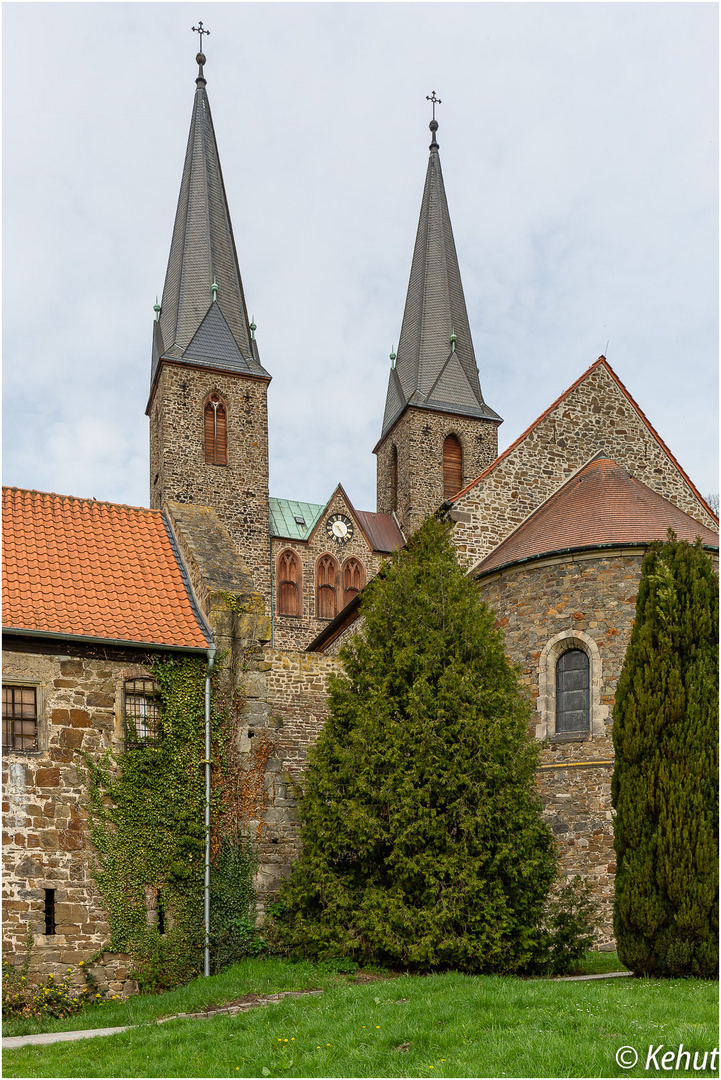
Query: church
(554, 529)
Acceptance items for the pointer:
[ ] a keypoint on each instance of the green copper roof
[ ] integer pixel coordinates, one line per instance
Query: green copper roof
(286, 516)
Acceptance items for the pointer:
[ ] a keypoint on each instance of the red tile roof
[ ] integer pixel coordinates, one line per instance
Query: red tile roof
(601, 362)
(93, 569)
(601, 504)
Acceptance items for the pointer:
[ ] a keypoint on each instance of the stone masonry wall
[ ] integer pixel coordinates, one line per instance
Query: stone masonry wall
(418, 437)
(292, 632)
(594, 417)
(238, 491)
(45, 841)
(592, 596)
(294, 685)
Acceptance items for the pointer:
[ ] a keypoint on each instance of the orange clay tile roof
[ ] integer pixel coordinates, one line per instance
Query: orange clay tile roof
(601, 362)
(93, 569)
(601, 504)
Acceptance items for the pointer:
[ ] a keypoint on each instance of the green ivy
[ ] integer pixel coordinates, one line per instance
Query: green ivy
(146, 812)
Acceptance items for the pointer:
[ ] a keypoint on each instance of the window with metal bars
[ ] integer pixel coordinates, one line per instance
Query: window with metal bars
(216, 432)
(142, 712)
(572, 692)
(20, 718)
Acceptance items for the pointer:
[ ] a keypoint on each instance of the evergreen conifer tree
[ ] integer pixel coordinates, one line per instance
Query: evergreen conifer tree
(423, 842)
(665, 781)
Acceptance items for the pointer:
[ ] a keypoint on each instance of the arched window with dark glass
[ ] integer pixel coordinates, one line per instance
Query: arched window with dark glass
(290, 584)
(452, 467)
(394, 477)
(572, 692)
(216, 432)
(354, 578)
(327, 573)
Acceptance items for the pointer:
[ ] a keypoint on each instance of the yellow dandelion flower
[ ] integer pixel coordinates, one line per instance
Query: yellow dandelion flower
(377, 1026)
(293, 1039)
(285, 1040)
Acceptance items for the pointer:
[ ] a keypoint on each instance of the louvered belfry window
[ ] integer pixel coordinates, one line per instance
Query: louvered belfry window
(572, 692)
(452, 467)
(216, 432)
(326, 574)
(354, 579)
(290, 600)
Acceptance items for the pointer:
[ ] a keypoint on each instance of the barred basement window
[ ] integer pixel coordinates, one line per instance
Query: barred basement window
(142, 712)
(49, 911)
(20, 718)
(216, 432)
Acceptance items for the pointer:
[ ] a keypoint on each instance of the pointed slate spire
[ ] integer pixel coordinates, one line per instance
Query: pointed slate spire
(435, 366)
(203, 317)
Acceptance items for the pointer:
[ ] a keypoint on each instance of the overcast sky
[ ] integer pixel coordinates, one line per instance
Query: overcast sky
(579, 150)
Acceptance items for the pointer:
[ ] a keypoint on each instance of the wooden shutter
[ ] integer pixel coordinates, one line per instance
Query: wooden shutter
(353, 580)
(289, 584)
(216, 432)
(452, 467)
(326, 571)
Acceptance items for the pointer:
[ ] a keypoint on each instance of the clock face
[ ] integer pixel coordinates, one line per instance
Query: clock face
(339, 528)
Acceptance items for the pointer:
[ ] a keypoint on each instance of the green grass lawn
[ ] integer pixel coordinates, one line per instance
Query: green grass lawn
(439, 1025)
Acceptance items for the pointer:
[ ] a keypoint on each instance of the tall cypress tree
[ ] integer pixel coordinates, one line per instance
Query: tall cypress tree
(665, 781)
(423, 842)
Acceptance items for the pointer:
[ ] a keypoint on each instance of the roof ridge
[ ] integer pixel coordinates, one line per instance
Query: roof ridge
(81, 498)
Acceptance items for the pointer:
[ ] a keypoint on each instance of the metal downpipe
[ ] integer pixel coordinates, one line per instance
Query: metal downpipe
(206, 886)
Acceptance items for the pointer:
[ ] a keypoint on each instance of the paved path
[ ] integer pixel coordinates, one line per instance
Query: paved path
(57, 1036)
(587, 978)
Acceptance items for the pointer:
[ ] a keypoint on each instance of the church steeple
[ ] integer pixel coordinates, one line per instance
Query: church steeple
(435, 366)
(438, 433)
(203, 315)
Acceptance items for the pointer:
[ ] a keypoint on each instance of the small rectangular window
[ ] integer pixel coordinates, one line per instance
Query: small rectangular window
(142, 712)
(20, 718)
(50, 911)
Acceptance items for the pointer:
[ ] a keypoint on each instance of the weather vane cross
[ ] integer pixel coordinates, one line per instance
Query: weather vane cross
(200, 31)
(429, 97)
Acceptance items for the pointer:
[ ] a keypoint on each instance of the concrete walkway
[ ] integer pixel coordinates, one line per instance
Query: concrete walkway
(587, 978)
(15, 1041)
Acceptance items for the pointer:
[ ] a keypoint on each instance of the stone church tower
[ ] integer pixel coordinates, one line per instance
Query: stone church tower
(208, 391)
(438, 433)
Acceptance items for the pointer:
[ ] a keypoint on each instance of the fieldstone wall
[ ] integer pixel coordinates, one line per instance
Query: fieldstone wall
(45, 842)
(238, 491)
(585, 596)
(594, 416)
(293, 687)
(293, 632)
(418, 437)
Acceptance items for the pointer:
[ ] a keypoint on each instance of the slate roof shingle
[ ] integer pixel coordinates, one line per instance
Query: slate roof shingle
(428, 372)
(600, 505)
(95, 570)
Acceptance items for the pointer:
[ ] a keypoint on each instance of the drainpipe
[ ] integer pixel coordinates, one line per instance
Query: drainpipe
(206, 887)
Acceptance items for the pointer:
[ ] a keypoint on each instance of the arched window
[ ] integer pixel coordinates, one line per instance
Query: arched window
(326, 578)
(452, 467)
(290, 593)
(394, 478)
(572, 692)
(354, 578)
(216, 432)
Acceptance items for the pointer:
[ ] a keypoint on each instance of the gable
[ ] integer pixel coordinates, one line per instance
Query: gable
(595, 415)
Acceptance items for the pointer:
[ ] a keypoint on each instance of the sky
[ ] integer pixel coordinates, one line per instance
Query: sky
(579, 151)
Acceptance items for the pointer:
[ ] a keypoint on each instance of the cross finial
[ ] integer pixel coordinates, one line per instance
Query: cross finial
(429, 97)
(200, 31)
(434, 123)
